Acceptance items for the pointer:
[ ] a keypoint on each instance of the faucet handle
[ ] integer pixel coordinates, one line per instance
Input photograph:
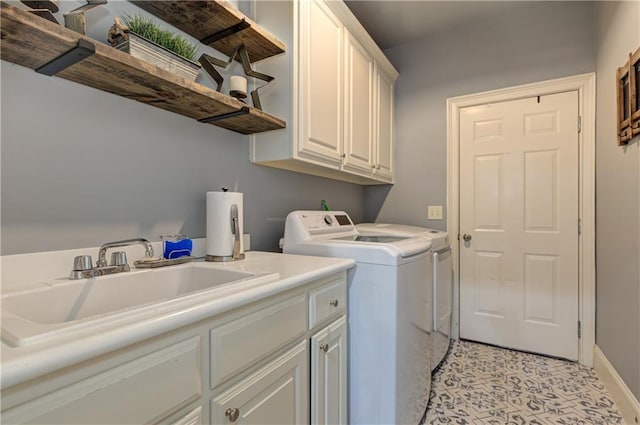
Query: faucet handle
(82, 263)
(119, 258)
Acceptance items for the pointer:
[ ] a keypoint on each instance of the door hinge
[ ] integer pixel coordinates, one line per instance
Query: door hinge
(579, 124)
(579, 329)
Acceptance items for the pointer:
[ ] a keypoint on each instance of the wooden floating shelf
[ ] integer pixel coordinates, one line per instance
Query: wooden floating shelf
(203, 19)
(32, 41)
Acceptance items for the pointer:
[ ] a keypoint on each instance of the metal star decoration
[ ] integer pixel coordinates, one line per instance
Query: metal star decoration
(209, 63)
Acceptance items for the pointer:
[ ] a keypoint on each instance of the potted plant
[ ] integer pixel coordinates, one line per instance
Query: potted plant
(143, 38)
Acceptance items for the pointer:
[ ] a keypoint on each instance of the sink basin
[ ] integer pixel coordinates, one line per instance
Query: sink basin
(33, 314)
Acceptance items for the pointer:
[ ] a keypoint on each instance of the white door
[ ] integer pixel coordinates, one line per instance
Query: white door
(519, 224)
(329, 374)
(358, 147)
(321, 78)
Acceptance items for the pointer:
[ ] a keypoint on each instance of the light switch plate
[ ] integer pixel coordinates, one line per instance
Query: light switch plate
(434, 212)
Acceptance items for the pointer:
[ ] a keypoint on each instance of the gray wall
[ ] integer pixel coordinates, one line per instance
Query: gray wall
(617, 201)
(81, 167)
(549, 40)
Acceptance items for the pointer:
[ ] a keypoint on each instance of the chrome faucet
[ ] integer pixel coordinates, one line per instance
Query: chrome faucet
(102, 254)
(83, 267)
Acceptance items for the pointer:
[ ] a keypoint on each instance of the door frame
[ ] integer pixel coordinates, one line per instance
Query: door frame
(585, 84)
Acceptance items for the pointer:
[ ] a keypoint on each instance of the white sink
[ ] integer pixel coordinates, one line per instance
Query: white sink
(64, 306)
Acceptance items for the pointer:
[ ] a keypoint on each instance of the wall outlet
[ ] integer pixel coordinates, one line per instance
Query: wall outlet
(434, 212)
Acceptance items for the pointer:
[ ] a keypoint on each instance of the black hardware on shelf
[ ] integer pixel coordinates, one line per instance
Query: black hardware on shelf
(242, 25)
(83, 50)
(244, 110)
(208, 63)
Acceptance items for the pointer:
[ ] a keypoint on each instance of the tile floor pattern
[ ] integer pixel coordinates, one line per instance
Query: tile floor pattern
(481, 384)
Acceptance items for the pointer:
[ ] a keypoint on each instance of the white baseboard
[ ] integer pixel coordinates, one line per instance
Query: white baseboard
(622, 396)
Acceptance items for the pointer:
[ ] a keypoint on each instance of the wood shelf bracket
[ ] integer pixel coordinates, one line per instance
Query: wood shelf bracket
(80, 52)
(242, 25)
(242, 111)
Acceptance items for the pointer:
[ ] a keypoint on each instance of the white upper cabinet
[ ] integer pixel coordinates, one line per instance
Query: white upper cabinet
(334, 87)
(383, 164)
(359, 106)
(320, 83)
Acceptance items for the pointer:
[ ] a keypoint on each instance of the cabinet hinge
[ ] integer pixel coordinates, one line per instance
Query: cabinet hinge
(579, 124)
(579, 329)
(579, 226)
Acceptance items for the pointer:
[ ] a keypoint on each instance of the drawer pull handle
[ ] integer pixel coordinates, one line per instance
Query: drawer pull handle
(324, 347)
(232, 413)
(333, 303)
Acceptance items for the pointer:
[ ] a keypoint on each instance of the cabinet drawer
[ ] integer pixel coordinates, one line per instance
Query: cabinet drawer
(140, 391)
(238, 344)
(327, 301)
(194, 417)
(274, 394)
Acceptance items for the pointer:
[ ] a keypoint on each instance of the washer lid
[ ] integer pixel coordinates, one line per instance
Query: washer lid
(391, 253)
(371, 238)
(439, 239)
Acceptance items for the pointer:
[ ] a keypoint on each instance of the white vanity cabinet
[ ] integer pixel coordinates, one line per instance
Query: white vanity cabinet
(275, 391)
(327, 88)
(327, 321)
(269, 361)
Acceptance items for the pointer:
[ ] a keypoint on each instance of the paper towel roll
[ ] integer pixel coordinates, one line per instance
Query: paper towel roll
(220, 237)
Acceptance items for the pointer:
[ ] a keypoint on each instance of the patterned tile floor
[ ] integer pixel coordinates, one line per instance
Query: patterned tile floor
(481, 384)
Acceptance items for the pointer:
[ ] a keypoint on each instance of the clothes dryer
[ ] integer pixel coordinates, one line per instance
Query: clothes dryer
(442, 280)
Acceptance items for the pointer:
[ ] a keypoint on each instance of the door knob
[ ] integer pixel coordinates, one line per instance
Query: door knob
(466, 237)
(232, 413)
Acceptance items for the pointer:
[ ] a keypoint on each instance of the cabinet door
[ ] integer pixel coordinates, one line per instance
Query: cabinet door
(275, 394)
(329, 374)
(320, 84)
(138, 391)
(359, 105)
(384, 127)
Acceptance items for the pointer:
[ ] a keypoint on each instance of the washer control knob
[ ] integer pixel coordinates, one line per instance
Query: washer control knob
(328, 219)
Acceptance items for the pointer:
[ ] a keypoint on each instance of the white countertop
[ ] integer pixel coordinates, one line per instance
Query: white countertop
(30, 361)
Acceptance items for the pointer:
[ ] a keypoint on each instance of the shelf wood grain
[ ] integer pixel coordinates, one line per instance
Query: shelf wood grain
(201, 19)
(32, 41)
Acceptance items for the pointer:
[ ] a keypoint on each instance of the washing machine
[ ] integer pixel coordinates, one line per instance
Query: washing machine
(389, 380)
(442, 280)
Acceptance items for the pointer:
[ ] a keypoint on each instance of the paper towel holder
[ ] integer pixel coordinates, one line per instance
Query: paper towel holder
(235, 230)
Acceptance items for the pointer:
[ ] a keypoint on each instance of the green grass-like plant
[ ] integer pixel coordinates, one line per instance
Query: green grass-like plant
(149, 29)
